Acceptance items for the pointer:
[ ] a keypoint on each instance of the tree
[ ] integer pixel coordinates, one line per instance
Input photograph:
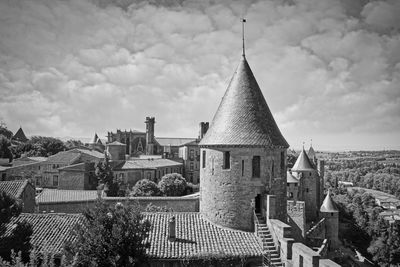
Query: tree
(4, 131)
(70, 144)
(40, 146)
(5, 151)
(19, 238)
(110, 236)
(105, 176)
(172, 184)
(145, 187)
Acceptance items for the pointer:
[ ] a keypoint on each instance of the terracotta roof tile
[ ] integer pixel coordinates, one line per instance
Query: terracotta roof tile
(66, 157)
(57, 195)
(146, 164)
(243, 116)
(13, 188)
(196, 236)
(165, 141)
(50, 231)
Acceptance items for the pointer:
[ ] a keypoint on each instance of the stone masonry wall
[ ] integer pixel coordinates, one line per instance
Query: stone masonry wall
(296, 218)
(226, 196)
(177, 204)
(72, 180)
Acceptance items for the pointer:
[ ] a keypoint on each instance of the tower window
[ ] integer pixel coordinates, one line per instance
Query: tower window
(256, 166)
(204, 159)
(283, 161)
(227, 160)
(273, 169)
(242, 167)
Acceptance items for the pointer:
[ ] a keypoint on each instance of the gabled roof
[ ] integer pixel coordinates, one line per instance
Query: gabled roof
(197, 237)
(146, 164)
(116, 143)
(57, 195)
(64, 157)
(92, 153)
(303, 163)
(328, 205)
(20, 136)
(50, 231)
(291, 179)
(166, 141)
(14, 188)
(243, 117)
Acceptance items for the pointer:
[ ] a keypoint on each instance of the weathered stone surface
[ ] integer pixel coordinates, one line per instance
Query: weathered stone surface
(226, 195)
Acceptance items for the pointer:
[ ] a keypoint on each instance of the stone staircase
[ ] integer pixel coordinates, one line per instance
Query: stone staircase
(271, 254)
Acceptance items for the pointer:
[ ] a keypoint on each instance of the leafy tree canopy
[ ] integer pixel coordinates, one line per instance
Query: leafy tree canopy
(5, 144)
(105, 176)
(145, 187)
(40, 146)
(110, 236)
(172, 184)
(4, 131)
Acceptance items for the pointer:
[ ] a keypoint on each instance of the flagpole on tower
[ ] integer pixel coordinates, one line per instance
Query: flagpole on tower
(243, 21)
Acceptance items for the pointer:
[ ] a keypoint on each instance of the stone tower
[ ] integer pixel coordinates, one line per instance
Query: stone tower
(243, 156)
(116, 151)
(330, 212)
(150, 121)
(309, 188)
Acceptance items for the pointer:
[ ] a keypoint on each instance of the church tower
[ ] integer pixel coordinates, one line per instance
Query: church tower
(243, 157)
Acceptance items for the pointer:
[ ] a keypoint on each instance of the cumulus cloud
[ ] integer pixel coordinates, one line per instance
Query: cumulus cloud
(329, 69)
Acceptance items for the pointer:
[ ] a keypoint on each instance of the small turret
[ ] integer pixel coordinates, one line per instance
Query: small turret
(330, 212)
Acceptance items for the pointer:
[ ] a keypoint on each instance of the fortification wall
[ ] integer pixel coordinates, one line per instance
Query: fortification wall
(177, 204)
(297, 218)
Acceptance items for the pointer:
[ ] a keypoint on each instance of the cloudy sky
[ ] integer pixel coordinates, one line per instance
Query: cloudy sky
(329, 69)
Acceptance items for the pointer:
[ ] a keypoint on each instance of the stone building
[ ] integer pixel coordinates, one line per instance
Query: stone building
(22, 190)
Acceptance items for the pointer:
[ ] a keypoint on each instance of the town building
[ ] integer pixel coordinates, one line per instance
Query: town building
(21, 190)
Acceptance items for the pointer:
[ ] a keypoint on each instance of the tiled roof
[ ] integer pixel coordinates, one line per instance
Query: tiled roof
(196, 236)
(291, 179)
(243, 117)
(92, 153)
(20, 136)
(56, 195)
(13, 188)
(50, 231)
(303, 163)
(328, 205)
(165, 141)
(66, 157)
(146, 164)
(116, 143)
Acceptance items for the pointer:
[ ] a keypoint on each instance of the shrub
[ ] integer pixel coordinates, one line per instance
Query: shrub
(145, 187)
(172, 184)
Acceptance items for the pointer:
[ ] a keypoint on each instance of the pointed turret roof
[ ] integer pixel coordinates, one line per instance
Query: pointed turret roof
(328, 205)
(243, 117)
(95, 138)
(20, 136)
(303, 163)
(311, 153)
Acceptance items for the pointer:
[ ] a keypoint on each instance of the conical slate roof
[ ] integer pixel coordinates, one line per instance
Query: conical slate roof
(311, 153)
(243, 117)
(20, 136)
(303, 163)
(328, 205)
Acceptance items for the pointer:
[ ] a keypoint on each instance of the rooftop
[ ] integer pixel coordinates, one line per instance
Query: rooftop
(195, 236)
(146, 164)
(166, 141)
(303, 163)
(13, 188)
(92, 153)
(328, 205)
(50, 231)
(291, 179)
(243, 117)
(56, 195)
(20, 136)
(64, 157)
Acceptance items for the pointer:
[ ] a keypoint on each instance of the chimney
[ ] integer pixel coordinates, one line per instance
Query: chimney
(171, 229)
(203, 129)
(150, 121)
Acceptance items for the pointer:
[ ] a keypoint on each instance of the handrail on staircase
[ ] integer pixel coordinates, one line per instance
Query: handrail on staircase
(266, 255)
